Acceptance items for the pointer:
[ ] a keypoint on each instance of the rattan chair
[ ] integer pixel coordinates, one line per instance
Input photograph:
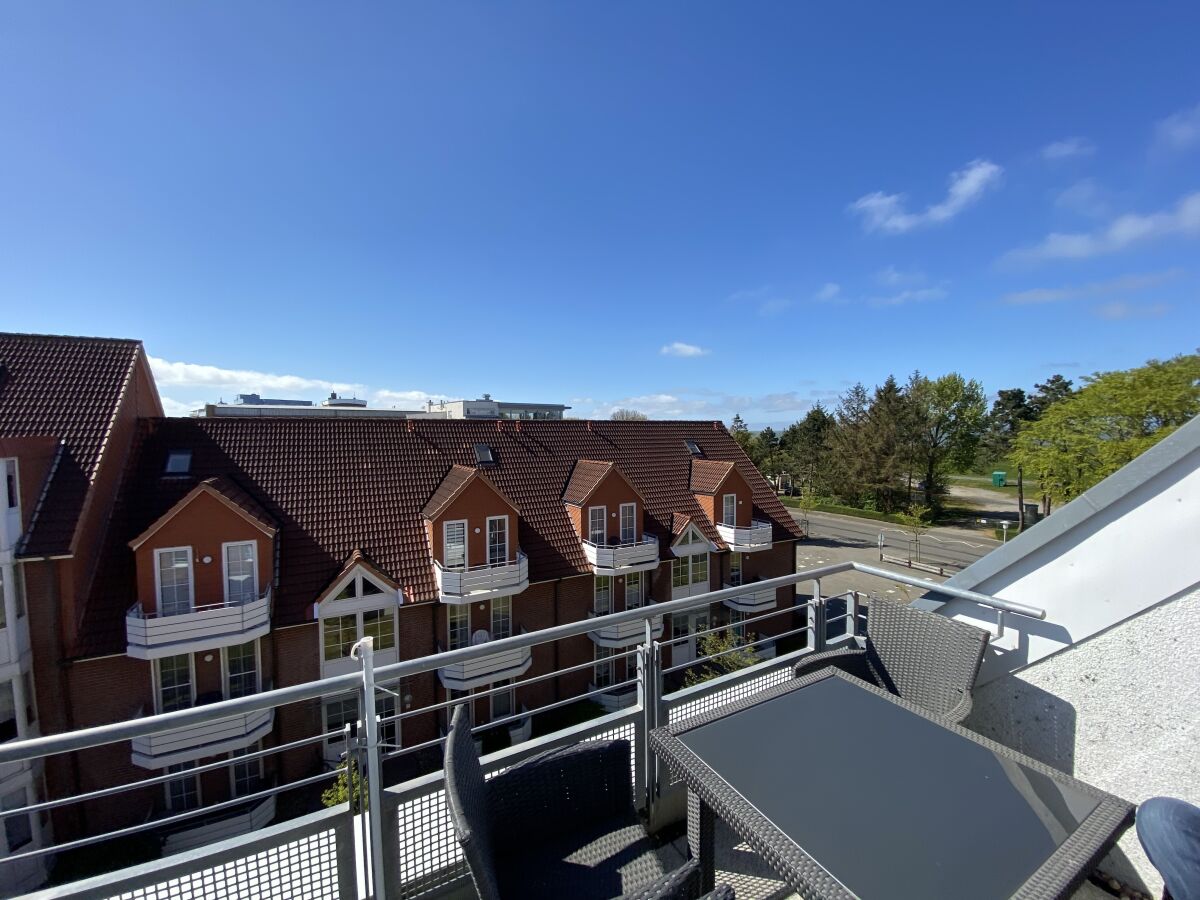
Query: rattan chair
(925, 658)
(559, 825)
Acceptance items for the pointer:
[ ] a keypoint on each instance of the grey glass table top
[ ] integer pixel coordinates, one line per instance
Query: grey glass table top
(890, 803)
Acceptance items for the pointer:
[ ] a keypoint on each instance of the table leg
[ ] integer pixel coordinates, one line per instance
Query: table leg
(701, 826)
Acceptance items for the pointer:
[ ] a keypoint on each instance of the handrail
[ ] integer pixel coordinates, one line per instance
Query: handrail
(609, 545)
(437, 563)
(135, 611)
(46, 745)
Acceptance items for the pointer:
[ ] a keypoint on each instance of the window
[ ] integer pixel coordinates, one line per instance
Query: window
(340, 713)
(241, 663)
(497, 537)
(18, 830)
(174, 682)
(692, 447)
(8, 712)
(174, 580)
(381, 625)
(183, 793)
(340, 634)
(10, 483)
(458, 618)
(454, 545)
(241, 577)
(247, 775)
(484, 455)
(699, 568)
(358, 586)
(679, 572)
(633, 590)
(503, 702)
(596, 524)
(179, 462)
(501, 617)
(30, 705)
(729, 509)
(603, 670)
(735, 569)
(628, 523)
(603, 595)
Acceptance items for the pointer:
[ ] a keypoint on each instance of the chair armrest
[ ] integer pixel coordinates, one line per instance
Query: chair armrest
(720, 892)
(852, 662)
(680, 884)
(560, 791)
(960, 710)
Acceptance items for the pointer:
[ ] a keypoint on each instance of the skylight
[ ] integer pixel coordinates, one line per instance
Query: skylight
(179, 462)
(483, 455)
(693, 447)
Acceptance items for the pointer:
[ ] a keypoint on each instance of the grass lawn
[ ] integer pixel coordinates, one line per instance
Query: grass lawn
(981, 481)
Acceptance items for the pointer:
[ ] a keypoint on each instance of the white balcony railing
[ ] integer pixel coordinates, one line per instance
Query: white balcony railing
(626, 556)
(755, 601)
(486, 669)
(625, 634)
(192, 742)
(482, 582)
(618, 698)
(154, 635)
(746, 539)
(234, 824)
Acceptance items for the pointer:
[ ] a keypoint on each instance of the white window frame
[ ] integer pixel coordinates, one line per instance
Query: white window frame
(506, 602)
(596, 580)
(195, 780)
(257, 763)
(728, 515)
(257, 667)
(158, 551)
(630, 508)
(511, 694)
(466, 544)
(693, 567)
(253, 567)
(158, 680)
(362, 624)
(739, 568)
(453, 610)
(603, 510)
(639, 579)
(352, 698)
(488, 534)
(603, 663)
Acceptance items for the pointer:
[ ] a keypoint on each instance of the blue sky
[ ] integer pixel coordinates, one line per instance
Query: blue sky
(691, 208)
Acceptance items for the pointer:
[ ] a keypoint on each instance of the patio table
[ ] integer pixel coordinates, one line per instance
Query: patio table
(848, 791)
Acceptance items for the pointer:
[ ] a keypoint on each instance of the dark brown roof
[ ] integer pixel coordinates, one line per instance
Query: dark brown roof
(226, 489)
(452, 485)
(585, 478)
(340, 485)
(707, 475)
(69, 388)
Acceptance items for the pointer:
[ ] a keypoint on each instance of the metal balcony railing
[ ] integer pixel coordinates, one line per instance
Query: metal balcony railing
(394, 837)
(475, 583)
(622, 556)
(747, 538)
(205, 627)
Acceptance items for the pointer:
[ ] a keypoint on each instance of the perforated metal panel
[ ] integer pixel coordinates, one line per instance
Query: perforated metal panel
(678, 709)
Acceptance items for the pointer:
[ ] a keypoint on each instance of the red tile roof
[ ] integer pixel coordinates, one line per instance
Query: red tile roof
(707, 475)
(452, 485)
(340, 485)
(224, 489)
(69, 388)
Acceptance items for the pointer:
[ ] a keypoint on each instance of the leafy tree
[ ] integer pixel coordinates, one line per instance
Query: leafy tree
(730, 654)
(1054, 389)
(1011, 410)
(765, 448)
(850, 470)
(916, 522)
(741, 434)
(1113, 418)
(888, 445)
(806, 444)
(349, 780)
(948, 423)
(628, 415)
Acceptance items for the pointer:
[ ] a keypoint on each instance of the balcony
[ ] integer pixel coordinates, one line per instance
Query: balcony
(486, 669)
(619, 557)
(192, 742)
(209, 627)
(750, 539)
(617, 699)
(206, 831)
(751, 602)
(479, 583)
(625, 634)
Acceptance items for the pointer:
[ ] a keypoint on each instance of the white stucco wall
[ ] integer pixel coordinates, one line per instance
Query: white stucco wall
(1120, 710)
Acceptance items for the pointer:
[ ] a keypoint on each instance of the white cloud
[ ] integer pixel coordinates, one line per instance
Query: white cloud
(405, 399)
(1067, 148)
(1179, 131)
(1126, 284)
(1119, 311)
(912, 295)
(1122, 233)
(678, 348)
(173, 407)
(891, 277)
(1086, 198)
(829, 291)
(887, 213)
(708, 404)
(242, 380)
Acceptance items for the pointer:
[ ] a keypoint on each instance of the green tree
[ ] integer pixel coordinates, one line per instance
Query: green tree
(849, 472)
(348, 780)
(729, 653)
(628, 415)
(916, 522)
(1051, 391)
(806, 443)
(1011, 410)
(765, 451)
(741, 434)
(887, 441)
(948, 419)
(1112, 419)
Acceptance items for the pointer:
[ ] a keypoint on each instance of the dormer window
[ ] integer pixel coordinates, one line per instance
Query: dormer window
(179, 462)
(241, 573)
(358, 586)
(173, 572)
(597, 524)
(628, 523)
(729, 509)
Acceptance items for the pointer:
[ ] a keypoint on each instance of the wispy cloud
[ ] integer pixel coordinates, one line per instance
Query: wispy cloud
(828, 292)
(892, 277)
(766, 300)
(1126, 284)
(679, 348)
(686, 403)
(911, 295)
(1085, 198)
(1067, 148)
(1123, 232)
(1178, 131)
(888, 213)
(246, 380)
(1119, 310)
(405, 399)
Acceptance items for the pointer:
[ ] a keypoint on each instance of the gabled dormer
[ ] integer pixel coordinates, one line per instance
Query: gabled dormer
(471, 529)
(361, 601)
(204, 573)
(607, 513)
(728, 501)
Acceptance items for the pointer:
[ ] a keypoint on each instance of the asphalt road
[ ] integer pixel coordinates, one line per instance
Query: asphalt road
(952, 548)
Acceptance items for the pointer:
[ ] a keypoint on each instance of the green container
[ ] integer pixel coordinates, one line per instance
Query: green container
(999, 479)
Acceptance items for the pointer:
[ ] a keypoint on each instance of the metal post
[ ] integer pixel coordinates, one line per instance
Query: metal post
(881, 546)
(365, 651)
(817, 614)
(644, 764)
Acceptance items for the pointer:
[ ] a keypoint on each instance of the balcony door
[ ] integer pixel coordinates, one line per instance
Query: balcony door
(729, 509)
(173, 574)
(241, 576)
(597, 524)
(628, 523)
(497, 540)
(454, 545)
